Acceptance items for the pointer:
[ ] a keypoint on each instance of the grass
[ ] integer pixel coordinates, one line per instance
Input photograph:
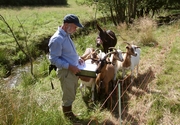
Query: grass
(165, 102)
(152, 99)
(169, 83)
(37, 23)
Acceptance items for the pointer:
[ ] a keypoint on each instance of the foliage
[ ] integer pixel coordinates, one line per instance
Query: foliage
(20, 58)
(126, 10)
(32, 2)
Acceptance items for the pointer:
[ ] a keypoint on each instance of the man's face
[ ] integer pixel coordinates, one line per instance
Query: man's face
(71, 28)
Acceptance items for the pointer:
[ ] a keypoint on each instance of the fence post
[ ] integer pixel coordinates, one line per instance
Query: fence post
(119, 96)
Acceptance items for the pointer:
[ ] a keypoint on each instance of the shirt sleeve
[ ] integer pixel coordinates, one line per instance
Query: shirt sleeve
(55, 49)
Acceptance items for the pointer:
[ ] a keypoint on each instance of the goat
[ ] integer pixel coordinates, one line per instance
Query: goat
(131, 60)
(106, 38)
(86, 55)
(105, 74)
(115, 61)
(87, 81)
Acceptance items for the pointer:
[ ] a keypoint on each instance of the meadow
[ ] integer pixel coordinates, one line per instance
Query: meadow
(152, 99)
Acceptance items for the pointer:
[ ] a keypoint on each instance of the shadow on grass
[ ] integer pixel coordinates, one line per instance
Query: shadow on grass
(140, 83)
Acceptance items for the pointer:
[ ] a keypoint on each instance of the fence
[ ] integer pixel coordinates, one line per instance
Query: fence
(121, 89)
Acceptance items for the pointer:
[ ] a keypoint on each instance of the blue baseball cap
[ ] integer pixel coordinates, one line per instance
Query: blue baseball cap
(71, 18)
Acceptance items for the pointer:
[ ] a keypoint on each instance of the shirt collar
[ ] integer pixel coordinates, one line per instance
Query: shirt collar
(61, 31)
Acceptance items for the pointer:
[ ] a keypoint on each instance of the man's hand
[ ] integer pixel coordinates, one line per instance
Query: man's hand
(73, 69)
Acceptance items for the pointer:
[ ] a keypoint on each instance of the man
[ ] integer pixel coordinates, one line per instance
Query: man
(64, 56)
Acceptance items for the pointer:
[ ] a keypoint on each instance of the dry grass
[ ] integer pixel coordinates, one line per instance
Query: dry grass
(154, 59)
(141, 97)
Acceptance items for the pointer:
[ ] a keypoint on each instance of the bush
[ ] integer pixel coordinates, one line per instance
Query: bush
(148, 39)
(145, 27)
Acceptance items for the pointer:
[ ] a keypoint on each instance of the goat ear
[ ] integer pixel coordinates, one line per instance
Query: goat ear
(127, 47)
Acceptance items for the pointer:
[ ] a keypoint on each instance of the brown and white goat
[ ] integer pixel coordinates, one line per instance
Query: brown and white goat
(114, 58)
(105, 74)
(131, 60)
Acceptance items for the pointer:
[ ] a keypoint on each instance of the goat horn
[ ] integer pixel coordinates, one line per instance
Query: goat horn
(93, 52)
(127, 43)
(96, 50)
(107, 55)
(113, 48)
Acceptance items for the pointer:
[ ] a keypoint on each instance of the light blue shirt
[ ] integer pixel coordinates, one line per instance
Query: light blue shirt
(62, 50)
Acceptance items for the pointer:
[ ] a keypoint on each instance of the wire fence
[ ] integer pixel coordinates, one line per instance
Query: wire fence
(141, 83)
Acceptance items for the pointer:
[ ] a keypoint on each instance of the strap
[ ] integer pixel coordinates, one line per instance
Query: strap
(51, 67)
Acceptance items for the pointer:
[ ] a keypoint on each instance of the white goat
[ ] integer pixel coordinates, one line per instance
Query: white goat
(131, 60)
(135, 60)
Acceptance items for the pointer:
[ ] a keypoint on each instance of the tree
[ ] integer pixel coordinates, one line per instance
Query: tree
(25, 50)
(126, 10)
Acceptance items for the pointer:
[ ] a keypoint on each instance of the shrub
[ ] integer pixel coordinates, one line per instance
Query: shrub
(145, 27)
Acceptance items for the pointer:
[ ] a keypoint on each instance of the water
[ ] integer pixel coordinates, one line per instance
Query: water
(15, 78)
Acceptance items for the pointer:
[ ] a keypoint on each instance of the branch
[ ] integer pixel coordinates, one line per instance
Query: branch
(13, 35)
(16, 40)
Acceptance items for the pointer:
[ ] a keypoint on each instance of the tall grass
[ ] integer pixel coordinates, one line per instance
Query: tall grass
(145, 28)
(25, 107)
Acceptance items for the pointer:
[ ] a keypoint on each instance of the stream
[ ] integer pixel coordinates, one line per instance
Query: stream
(15, 78)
